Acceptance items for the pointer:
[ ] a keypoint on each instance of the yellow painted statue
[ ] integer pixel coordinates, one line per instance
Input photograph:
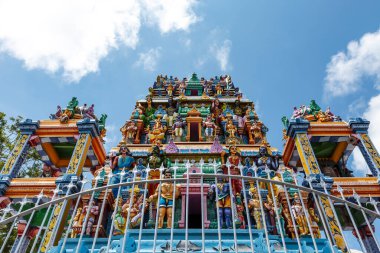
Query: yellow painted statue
(165, 200)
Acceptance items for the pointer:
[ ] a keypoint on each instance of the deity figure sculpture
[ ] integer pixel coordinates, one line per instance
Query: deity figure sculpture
(171, 113)
(57, 114)
(270, 216)
(119, 219)
(314, 221)
(157, 134)
(78, 221)
(138, 112)
(48, 171)
(94, 211)
(266, 160)
(149, 111)
(89, 112)
(234, 160)
(221, 191)
(207, 88)
(219, 90)
(299, 215)
(216, 108)
(255, 130)
(178, 126)
(182, 88)
(231, 129)
(169, 90)
(165, 200)
(131, 207)
(240, 210)
(129, 131)
(123, 161)
(255, 207)
(155, 158)
(210, 128)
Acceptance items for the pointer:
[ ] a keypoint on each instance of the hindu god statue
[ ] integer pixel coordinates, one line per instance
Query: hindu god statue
(157, 134)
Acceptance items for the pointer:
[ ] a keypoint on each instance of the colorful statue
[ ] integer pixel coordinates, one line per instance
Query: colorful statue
(48, 171)
(155, 158)
(270, 216)
(171, 113)
(219, 90)
(266, 160)
(234, 160)
(314, 222)
(221, 191)
(165, 200)
(94, 211)
(160, 112)
(231, 129)
(210, 128)
(254, 206)
(157, 134)
(240, 210)
(256, 132)
(299, 215)
(129, 131)
(178, 126)
(123, 161)
(169, 90)
(78, 221)
(57, 114)
(119, 219)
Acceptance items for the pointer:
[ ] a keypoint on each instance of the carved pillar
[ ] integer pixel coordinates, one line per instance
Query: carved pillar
(88, 129)
(16, 158)
(360, 128)
(298, 130)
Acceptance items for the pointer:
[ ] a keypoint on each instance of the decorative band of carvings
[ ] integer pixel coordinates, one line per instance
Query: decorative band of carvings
(306, 154)
(79, 155)
(367, 145)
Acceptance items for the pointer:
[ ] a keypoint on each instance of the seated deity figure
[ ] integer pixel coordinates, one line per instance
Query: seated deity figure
(210, 128)
(257, 134)
(157, 134)
(165, 200)
(169, 90)
(221, 192)
(78, 221)
(255, 208)
(94, 211)
(219, 90)
(177, 129)
(119, 219)
(299, 215)
(266, 160)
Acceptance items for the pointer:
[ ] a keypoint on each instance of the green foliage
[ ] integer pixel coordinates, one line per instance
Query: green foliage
(9, 133)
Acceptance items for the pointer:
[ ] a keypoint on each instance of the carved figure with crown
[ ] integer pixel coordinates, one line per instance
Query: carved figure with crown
(157, 134)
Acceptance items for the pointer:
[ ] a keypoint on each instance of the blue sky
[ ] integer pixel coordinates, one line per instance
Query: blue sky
(280, 53)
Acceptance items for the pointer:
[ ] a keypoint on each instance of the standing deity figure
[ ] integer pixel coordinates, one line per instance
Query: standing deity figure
(255, 207)
(182, 88)
(270, 216)
(234, 160)
(221, 191)
(207, 88)
(119, 219)
(94, 211)
(266, 160)
(129, 131)
(157, 134)
(231, 129)
(165, 200)
(216, 108)
(177, 129)
(299, 215)
(314, 221)
(240, 210)
(78, 221)
(123, 161)
(210, 127)
(171, 113)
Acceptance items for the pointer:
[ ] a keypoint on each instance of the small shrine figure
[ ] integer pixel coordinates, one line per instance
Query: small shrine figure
(157, 134)
(219, 90)
(240, 210)
(132, 207)
(57, 114)
(48, 171)
(210, 128)
(299, 215)
(138, 112)
(182, 88)
(207, 88)
(89, 112)
(78, 221)
(129, 131)
(149, 111)
(165, 200)
(177, 129)
(221, 191)
(94, 211)
(216, 108)
(231, 129)
(266, 160)
(171, 113)
(169, 90)
(270, 216)
(314, 222)
(119, 219)
(257, 134)
(123, 161)
(155, 157)
(254, 206)
(234, 160)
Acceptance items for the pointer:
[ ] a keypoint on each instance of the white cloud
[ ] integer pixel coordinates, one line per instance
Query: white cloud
(222, 53)
(371, 114)
(346, 69)
(149, 59)
(113, 136)
(71, 36)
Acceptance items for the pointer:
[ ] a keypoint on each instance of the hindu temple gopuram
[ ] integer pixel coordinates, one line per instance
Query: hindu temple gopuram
(193, 172)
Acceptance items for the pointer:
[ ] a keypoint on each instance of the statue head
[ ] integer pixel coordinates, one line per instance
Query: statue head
(167, 173)
(263, 150)
(233, 150)
(124, 150)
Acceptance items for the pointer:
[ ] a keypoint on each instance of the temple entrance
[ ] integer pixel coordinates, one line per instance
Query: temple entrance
(195, 215)
(194, 132)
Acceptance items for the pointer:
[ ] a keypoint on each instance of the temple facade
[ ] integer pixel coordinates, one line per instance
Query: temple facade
(193, 171)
